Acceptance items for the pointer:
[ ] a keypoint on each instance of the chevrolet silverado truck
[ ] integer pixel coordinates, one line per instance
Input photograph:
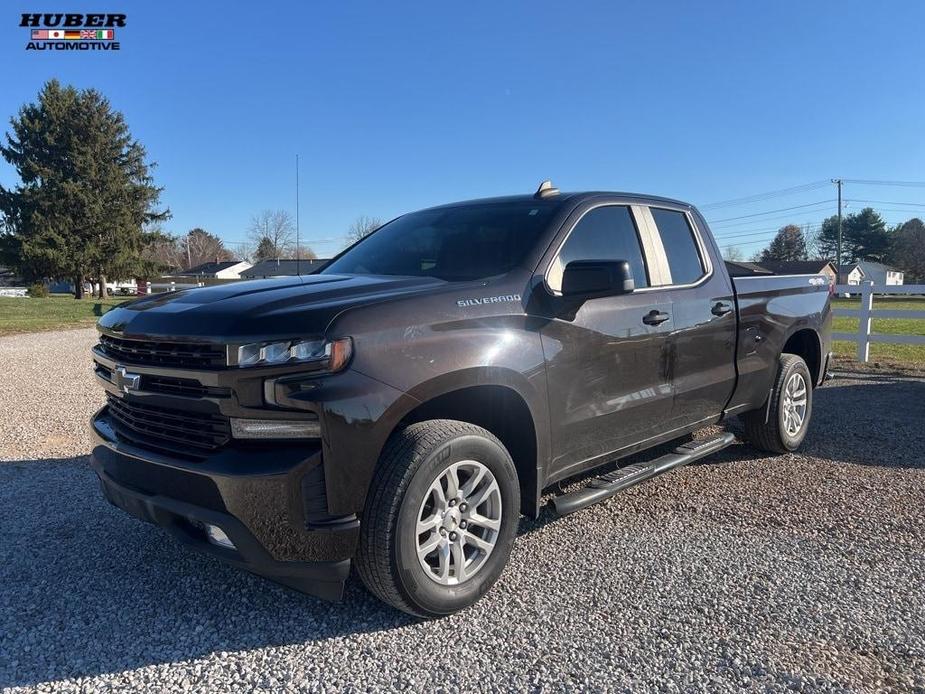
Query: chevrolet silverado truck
(400, 409)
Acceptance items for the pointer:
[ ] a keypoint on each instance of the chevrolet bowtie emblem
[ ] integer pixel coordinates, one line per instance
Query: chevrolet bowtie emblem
(125, 381)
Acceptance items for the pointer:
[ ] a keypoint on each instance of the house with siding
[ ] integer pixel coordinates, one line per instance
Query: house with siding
(221, 270)
(880, 274)
(851, 274)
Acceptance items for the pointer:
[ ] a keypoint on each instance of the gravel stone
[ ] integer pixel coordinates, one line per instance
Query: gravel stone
(743, 572)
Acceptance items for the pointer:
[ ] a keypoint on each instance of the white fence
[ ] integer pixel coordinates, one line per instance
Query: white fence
(867, 312)
(159, 287)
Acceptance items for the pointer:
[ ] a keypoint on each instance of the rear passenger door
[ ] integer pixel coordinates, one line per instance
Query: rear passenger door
(703, 325)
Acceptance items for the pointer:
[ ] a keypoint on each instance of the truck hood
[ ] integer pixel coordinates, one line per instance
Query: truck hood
(258, 309)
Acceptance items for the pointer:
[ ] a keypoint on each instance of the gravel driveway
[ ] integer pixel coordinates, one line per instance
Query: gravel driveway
(741, 572)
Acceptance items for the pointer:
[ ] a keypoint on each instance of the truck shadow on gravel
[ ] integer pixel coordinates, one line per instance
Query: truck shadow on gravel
(864, 419)
(869, 420)
(87, 590)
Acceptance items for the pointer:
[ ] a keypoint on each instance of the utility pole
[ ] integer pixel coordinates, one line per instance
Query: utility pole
(838, 183)
(298, 248)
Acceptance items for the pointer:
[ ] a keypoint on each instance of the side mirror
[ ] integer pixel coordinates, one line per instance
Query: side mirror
(591, 279)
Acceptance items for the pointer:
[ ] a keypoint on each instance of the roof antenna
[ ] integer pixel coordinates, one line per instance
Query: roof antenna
(546, 190)
(298, 250)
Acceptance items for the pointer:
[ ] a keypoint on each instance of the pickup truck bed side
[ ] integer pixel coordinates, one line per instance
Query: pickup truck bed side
(778, 314)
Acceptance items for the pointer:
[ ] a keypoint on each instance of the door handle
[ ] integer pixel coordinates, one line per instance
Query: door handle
(655, 317)
(721, 308)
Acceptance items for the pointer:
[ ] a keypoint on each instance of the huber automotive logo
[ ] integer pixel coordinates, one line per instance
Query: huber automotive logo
(72, 32)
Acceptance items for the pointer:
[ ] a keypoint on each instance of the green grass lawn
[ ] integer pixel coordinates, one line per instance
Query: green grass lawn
(912, 355)
(56, 312)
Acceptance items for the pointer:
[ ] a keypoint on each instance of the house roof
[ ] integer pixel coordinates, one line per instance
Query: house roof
(740, 268)
(868, 265)
(796, 267)
(278, 267)
(209, 268)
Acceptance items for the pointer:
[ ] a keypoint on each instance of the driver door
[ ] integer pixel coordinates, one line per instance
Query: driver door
(608, 368)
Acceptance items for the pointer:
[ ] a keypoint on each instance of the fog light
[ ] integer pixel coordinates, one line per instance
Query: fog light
(218, 537)
(275, 428)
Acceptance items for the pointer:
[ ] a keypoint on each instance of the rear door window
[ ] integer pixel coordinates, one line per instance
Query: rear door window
(681, 248)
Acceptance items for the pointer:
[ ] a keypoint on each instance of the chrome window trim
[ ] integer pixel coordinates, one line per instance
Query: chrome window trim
(609, 203)
(654, 250)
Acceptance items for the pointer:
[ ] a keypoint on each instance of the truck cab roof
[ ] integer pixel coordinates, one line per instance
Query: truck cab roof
(570, 197)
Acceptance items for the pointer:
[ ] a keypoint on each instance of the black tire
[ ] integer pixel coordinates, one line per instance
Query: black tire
(772, 435)
(413, 458)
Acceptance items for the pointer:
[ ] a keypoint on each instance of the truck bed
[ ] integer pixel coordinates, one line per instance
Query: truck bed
(774, 310)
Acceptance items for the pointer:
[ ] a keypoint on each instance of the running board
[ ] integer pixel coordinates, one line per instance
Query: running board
(607, 485)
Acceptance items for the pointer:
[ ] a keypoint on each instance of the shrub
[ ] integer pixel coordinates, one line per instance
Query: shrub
(38, 291)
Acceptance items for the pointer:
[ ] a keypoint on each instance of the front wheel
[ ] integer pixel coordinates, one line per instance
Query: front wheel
(440, 518)
(781, 424)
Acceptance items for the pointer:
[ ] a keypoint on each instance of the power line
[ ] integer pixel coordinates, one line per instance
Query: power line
(769, 234)
(734, 202)
(886, 202)
(734, 232)
(899, 184)
(735, 226)
(895, 209)
(761, 214)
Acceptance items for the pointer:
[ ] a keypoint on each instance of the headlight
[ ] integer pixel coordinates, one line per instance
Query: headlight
(330, 356)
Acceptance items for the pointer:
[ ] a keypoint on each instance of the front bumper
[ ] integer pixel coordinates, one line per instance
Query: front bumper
(268, 500)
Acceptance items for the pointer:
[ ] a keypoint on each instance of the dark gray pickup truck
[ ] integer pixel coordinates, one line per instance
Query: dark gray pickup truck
(401, 408)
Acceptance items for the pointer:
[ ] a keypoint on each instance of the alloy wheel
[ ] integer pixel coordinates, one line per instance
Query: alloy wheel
(458, 522)
(794, 403)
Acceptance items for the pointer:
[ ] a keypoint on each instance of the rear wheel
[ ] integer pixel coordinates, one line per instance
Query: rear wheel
(440, 518)
(788, 411)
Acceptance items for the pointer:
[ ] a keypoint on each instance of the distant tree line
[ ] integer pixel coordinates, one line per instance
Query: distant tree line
(198, 246)
(865, 236)
(271, 234)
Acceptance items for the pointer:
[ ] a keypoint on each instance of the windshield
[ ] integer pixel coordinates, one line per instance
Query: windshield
(468, 242)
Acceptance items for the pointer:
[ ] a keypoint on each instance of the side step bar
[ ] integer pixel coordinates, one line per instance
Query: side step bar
(607, 485)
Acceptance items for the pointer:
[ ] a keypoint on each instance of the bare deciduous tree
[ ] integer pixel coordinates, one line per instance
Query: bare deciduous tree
(274, 231)
(302, 251)
(167, 253)
(200, 247)
(733, 253)
(362, 227)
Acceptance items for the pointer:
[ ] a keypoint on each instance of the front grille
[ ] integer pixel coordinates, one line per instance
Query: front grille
(180, 386)
(187, 387)
(156, 353)
(178, 431)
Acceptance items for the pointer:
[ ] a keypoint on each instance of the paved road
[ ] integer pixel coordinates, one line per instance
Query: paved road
(797, 572)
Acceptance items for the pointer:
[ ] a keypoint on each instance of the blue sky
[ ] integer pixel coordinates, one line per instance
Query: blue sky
(394, 106)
